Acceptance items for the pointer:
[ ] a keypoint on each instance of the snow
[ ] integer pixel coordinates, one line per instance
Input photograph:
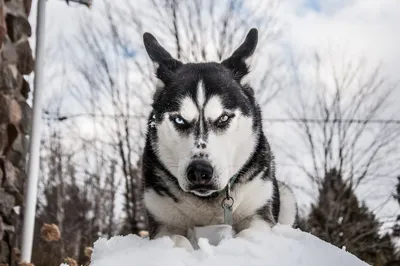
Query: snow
(284, 246)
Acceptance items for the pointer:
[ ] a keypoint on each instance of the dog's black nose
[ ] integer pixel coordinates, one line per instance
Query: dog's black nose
(199, 172)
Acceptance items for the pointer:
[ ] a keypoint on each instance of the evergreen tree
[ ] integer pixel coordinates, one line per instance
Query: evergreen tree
(340, 219)
(396, 227)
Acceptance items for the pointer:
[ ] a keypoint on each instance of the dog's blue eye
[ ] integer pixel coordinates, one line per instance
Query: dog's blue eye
(179, 120)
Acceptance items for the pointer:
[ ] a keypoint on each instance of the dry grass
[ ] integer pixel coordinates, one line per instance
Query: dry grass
(144, 233)
(88, 252)
(25, 264)
(50, 232)
(70, 261)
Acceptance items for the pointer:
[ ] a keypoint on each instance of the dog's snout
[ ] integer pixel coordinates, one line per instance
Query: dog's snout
(199, 172)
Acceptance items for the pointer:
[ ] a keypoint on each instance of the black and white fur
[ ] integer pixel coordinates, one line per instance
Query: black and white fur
(203, 115)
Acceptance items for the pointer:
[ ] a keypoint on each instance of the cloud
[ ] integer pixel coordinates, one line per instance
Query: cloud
(359, 28)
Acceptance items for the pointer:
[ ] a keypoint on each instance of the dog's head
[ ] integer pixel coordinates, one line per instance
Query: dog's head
(204, 120)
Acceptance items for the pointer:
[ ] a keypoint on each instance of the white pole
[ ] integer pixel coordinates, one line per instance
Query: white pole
(34, 139)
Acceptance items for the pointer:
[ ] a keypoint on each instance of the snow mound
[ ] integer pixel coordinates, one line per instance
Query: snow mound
(283, 247)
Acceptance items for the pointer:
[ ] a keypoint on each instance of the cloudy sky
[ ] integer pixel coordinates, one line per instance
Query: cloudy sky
(361, 27)
(342, 28)
(364, 27)
(349, 28)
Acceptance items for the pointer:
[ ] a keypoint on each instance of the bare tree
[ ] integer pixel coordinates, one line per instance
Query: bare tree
(77, 192)
(343, 119)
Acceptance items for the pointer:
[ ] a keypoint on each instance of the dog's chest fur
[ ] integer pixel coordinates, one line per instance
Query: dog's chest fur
(192, 211)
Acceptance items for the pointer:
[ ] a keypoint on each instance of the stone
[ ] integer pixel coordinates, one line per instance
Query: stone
(3, 27)
(2, 176)
(9, 53)
(27, 5)
(10, 118)
(12, 134)
(13, 181)
(1, 228)
(17, 78)
(17, 27)
(3, 142)
(19, 145)
(7, 203)
(10, 80)
(16, 7)
(4, 109)
(4, 252)
(8, 227)
(16, 158)
(25, 63)
(25, 123)
(16, 155)
(25, 89)
(15, 112)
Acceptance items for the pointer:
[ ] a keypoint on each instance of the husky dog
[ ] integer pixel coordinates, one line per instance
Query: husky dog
(205, 132)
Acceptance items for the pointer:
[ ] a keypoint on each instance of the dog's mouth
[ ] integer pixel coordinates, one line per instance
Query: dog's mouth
(203, 191)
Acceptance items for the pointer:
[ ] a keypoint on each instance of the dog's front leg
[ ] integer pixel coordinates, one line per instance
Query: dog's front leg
(253, 226)
(177, 235)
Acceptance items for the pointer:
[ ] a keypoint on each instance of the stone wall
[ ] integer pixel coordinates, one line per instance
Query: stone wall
(15, 62)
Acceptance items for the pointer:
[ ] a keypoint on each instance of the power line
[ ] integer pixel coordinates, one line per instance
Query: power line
(332, 121)
(60, 118)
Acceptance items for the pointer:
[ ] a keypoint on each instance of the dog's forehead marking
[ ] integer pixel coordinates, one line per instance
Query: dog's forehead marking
(188, 109)
(213, 108)
(200, 98)
(201, 94)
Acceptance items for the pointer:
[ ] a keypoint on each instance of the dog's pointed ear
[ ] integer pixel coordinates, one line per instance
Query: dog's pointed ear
(237, 61)
(165, 64)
